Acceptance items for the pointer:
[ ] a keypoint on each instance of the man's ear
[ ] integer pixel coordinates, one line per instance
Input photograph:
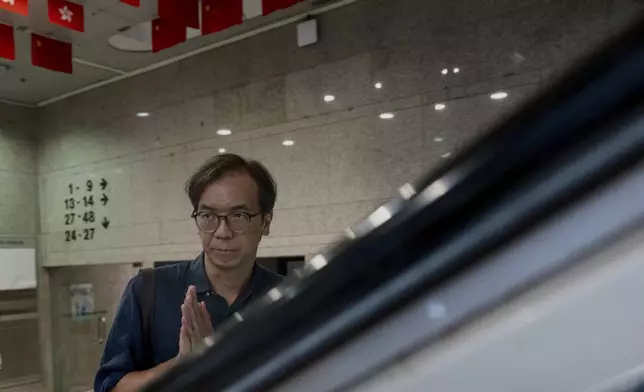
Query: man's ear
(268, 218)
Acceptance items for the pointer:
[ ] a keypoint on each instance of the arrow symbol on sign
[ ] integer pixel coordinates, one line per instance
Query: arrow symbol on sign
(103, 184)
(104, 199)
(105, 223)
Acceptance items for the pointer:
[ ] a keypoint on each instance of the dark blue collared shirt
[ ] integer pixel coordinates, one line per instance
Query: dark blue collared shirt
(125, 350)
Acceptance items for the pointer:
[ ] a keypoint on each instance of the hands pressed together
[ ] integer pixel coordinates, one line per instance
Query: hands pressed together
(195, 323)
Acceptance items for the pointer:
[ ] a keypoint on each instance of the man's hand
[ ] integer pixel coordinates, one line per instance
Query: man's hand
(195, 322)
(185, 344)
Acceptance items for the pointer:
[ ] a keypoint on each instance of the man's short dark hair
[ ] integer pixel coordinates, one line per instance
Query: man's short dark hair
(222, 165)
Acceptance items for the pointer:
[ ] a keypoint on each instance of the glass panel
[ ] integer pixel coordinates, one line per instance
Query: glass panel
(79, 336)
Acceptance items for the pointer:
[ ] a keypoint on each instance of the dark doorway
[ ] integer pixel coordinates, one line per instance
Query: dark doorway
(282, 265)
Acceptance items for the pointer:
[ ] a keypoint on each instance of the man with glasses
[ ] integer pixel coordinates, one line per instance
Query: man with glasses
(232, 200)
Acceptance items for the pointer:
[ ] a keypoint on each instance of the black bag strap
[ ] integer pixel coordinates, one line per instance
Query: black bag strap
(147, 308)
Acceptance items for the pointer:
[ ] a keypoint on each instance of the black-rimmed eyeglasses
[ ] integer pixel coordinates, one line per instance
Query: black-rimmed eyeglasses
(237, 222)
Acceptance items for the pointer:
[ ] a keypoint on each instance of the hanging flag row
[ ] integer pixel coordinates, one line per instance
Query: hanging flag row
(61, 12)
(47, 52)
(66, 14)
(7, 43)
(169, 29)
(21, 7)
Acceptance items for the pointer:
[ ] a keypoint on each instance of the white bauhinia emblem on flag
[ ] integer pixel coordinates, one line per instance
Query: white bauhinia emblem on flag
(65, 14)
(10, 2)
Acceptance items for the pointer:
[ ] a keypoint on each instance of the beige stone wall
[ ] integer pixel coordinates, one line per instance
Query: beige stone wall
(19, 335)
(345, 160)
(18, 168)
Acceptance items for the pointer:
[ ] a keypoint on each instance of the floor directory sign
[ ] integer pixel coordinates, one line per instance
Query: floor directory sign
(85, 211)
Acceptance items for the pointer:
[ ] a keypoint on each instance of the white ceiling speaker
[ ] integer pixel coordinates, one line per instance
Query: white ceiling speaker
(307, 33)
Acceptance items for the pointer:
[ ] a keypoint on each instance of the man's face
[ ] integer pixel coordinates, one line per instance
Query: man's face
(233, 193)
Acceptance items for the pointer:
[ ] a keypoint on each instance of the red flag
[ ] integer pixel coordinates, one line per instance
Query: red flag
(184, 12)
(166, 34)
(17, 6)
(217, 15)
(7, 43)
(133, 3)
(269, 6)
(66, 14)
(51, 54)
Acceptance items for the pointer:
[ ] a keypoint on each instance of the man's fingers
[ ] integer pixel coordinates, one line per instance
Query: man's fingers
(187, 320)
(198, 322)
(192, 296)
(185, 345)
(192, 300)
(183, 335)
(185, 324)
(184, 318)
(189, 303)
(193, 313)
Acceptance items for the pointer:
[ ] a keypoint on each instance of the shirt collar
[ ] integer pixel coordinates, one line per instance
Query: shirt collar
(254, 285)
(196, 275)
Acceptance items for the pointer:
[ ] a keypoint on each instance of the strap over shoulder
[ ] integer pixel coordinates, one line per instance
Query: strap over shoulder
(147, 305)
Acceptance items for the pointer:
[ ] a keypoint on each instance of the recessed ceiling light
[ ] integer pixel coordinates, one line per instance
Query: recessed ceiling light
(329, 98)
(143, 114)
(378, 85)
(288, 142)
(499, 95)
(456, 70)
(446, 155)
(444, 71)
(387, 116)
(439, 139)
(224, 132)
(440, 106)
(222, 150)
